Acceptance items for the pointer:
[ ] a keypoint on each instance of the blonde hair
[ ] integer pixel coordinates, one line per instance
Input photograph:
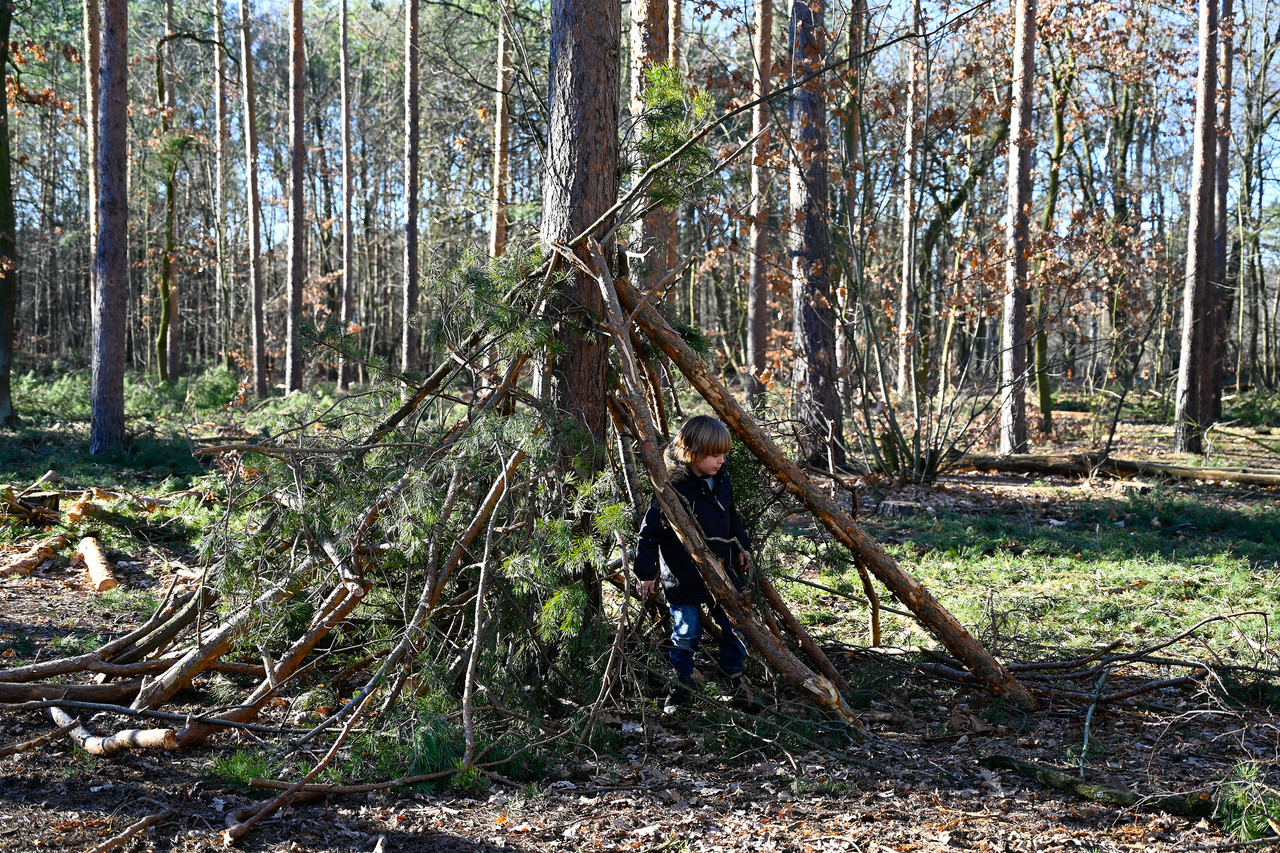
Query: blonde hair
(700, 437)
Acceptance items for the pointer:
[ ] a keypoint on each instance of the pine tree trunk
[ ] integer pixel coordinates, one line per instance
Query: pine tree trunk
(348, 237)
(111, 267)
(253, 215)
(8, 233)
(581, 183)
(92, 59)
(297, 207)
(501, 141)
(817, 399)
(221, 139)
(758, 275)
(1013, 415)
(408, 340)
(173, 349)
(655, 234)
(1196, 355)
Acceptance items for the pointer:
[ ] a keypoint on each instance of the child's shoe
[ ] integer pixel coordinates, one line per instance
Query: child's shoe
(744, 695)
(678, 696)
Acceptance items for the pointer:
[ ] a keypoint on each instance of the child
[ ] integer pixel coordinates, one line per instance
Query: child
(695, 463)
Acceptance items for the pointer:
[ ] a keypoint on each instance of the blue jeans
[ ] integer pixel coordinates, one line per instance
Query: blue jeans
(686, 634)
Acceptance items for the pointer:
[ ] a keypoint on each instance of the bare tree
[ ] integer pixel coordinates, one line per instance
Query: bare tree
(501, 140)
(817, 399)
(348, 237)
(92, 58)
(408, 340)
(297, 204)
(253, 215)
(1196, 355)
(1224, 289)
(906, 295)
(8, 233)
(758, 279)
(1013, 360)
(111, 265)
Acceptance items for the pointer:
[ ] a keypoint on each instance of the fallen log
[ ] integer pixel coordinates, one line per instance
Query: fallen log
(164, 633)
(122, 691)
(763, 641)
(90, 557)
(864, 549)
(121, 741)
(1095, 464)
(83, 508)
(24, 563)
(200, 658)
(125, 837)
(1194, 804)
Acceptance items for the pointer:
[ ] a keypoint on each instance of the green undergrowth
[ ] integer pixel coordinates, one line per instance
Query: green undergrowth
(1056, 579)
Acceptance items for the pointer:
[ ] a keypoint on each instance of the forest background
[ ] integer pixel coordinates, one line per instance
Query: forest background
(424, 288)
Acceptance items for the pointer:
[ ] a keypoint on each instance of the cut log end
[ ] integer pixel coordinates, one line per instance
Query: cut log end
(89, 554)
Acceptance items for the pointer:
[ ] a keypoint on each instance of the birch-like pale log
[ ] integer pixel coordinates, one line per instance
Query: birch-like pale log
(830, 514)
(89, 556)
(121, 741)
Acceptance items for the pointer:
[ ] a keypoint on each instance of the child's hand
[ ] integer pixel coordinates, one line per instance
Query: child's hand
(744, 559)
(646, 590)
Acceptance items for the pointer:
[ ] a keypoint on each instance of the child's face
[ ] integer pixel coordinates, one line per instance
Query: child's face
(707, 466)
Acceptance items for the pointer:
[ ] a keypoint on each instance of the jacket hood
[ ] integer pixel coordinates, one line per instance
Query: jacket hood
(677, 468)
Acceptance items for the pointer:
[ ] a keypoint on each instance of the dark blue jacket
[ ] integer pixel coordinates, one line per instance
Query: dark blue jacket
(659, 550)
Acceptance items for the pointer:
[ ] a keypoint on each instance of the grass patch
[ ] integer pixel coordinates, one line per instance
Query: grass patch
(240, 767)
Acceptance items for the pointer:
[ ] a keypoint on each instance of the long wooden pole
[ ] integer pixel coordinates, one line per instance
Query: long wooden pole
(864, 549)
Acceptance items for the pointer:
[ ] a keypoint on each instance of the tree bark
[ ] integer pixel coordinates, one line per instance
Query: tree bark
(8, 236)
(297, 205)
(92, 59)
(348, 236)
(121, 741)
(501, 141)
(220, 142)
(253, 216)
(111, 264)
(1195, 353)
(1013, 354)
(1222, 283)
(864, 550)
(169, 286)
(581, 183)
(758, 275)
(817, 399)
(408, 339)
(655, 234)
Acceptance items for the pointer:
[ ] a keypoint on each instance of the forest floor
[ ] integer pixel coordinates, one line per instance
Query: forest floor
(1040, 568)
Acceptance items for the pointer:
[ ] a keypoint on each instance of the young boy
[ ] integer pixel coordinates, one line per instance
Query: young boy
(695, 462)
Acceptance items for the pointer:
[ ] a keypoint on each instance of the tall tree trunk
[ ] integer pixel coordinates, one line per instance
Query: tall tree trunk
(408, 340)
(293, 367)
(253, 215)
(220, 142)
(8, 235)
(758, 275)
(348, 237)
(169, 104)
(1196, 354)
(581, 183)
(817, 399)
(92, 59)
(111, 265)
(906, 296)
(1062, 80)
(655, 234)
(1221, 282)
(1013, 415)
(501, 141)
